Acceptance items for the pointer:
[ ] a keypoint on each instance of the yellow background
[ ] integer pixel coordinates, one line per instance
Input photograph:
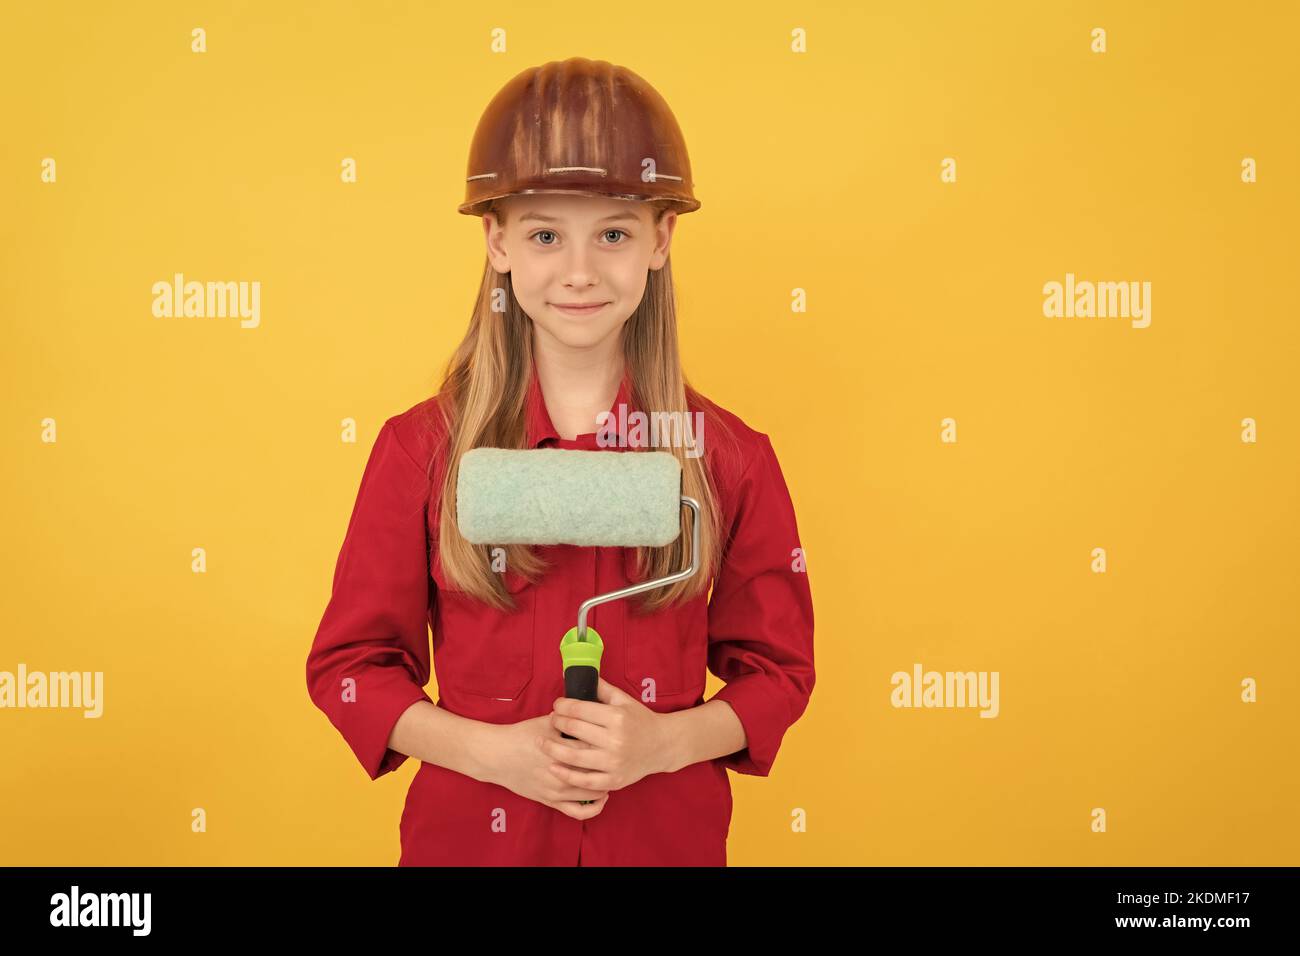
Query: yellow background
(817, 171)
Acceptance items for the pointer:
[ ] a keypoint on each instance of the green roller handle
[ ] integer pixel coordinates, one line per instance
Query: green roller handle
(581, 668)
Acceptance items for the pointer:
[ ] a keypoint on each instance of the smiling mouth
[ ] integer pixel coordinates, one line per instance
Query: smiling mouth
(580, 309)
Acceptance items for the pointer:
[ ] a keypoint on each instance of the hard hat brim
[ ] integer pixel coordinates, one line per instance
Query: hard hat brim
(479, 206)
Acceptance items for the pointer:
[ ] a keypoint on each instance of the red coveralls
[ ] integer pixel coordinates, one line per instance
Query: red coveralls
(755, 632)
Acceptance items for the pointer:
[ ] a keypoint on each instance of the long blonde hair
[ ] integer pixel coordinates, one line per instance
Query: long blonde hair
(482, 401)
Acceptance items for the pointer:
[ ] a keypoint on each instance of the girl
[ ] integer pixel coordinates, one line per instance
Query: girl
(579, 172)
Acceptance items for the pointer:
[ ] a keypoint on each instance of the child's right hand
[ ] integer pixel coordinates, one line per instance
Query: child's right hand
(521, 766)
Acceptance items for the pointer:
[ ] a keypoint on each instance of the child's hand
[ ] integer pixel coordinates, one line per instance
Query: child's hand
(518, 764)
(620, 740)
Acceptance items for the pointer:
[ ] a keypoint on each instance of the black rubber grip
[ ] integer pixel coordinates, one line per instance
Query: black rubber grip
(580, 684)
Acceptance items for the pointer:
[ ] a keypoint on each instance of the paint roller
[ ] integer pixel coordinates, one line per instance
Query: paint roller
(546, 496)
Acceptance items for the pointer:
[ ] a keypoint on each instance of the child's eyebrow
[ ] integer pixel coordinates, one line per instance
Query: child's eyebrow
(541, 218)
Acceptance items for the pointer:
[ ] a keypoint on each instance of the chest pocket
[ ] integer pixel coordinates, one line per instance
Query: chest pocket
(478, 649)
(669, 647)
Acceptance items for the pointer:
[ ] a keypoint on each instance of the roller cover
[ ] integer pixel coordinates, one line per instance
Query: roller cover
(569, 496)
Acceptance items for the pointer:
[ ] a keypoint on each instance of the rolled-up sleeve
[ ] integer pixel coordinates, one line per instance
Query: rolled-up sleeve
(761, 616)
(370, 659)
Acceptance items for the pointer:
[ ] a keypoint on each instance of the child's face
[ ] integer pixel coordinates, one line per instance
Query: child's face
(563, 249)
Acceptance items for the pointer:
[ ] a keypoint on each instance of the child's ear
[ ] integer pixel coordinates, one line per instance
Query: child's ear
(663, 240)
(494, 236)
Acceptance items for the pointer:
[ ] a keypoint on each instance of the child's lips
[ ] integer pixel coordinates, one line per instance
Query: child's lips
(580, 308)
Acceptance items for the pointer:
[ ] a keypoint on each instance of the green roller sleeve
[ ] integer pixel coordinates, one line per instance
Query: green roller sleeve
(597, 499)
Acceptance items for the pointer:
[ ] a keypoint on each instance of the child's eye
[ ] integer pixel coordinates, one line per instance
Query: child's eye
(607, 233)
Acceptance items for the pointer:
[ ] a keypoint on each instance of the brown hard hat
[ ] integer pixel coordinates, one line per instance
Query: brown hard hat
(578, 126)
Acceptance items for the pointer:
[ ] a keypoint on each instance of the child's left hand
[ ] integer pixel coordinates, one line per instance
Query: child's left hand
(620, 740)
